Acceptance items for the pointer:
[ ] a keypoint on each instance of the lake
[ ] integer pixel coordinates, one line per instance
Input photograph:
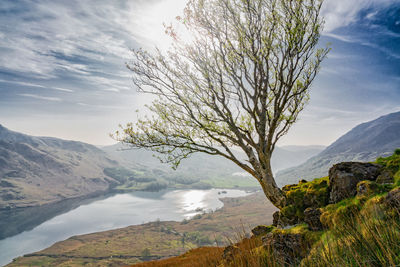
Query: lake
(111, 212)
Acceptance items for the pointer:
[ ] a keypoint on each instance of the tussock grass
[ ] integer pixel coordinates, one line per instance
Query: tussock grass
(366, 239)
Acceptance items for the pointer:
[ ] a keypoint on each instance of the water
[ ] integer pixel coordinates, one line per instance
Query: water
(113, 212)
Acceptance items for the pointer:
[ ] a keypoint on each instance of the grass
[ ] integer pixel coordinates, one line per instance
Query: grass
(366, 239)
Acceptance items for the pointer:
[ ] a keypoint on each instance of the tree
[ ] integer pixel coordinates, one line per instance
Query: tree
(239, 82)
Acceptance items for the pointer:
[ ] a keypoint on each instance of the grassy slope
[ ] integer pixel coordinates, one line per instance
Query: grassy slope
(162, 239)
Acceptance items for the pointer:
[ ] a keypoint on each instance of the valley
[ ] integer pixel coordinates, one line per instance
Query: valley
(157, 239)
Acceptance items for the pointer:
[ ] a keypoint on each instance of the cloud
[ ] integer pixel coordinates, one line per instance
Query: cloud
(47, 98)
(340, 13)
(58, 33)
(63, 89)
(28, 84)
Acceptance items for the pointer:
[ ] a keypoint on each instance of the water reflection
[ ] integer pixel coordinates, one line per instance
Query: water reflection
(194, 200)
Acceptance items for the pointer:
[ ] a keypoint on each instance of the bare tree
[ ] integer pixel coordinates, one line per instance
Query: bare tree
(240, 82)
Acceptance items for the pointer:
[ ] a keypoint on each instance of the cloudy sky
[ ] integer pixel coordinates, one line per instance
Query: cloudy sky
(62, 69)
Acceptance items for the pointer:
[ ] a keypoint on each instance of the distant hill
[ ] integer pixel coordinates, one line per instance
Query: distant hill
(39, 170)
(365, 142)
(208, 168)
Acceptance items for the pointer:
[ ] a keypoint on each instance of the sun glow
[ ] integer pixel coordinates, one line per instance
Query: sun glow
(149, 21)
(194, 199)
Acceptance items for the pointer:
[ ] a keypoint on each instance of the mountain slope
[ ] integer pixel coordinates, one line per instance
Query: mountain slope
(365, 142)
(39, 170)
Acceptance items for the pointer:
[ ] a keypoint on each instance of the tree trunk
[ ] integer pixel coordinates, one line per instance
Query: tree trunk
(271, 189)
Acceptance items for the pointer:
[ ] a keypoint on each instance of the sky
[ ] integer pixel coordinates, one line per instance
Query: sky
(63, 74)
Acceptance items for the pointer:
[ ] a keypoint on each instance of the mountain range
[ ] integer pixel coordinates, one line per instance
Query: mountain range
(365, 142)
(40, 170)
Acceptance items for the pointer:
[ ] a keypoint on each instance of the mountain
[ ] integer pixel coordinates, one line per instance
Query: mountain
(41, 170)
(208, 168)
(289, 156)
(365, 142)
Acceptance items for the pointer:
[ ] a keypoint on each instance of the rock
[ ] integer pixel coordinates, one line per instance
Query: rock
(230, 252)
(392, 199)
(344, 177)
(285, 217)
(366, 188)
(262, 230)
(385, 178)
(312, 218)
(288, 248)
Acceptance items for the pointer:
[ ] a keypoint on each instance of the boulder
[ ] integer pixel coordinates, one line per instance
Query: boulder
(288, 248)
(312, 218)
(262, 230)
(344, 177)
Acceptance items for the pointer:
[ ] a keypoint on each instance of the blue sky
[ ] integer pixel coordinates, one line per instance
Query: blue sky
(62, 69)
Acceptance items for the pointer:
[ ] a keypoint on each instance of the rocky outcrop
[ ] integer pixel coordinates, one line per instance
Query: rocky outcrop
(262, 230)
(344, 177)
(312, 218)
(288, 248)
(385, 178)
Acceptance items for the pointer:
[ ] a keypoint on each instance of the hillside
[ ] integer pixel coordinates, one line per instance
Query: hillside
(365, 142)
(41, 170)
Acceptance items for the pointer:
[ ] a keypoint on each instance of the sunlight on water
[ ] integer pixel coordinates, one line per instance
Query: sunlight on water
(193, 200)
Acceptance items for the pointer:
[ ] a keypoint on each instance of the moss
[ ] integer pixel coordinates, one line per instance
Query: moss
(366, 189)
(289, 211)
(301, 229)
(340, 213)
(392, 165)
(304, 195)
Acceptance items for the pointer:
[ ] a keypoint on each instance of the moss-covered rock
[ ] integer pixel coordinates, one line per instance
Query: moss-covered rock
(290, 246)
(312, 218)
(313, 194)
(391, 166)
(344, 177)
(262, 230)
(368, 188)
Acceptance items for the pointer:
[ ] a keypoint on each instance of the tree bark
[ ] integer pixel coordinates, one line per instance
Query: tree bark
(271, 189)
